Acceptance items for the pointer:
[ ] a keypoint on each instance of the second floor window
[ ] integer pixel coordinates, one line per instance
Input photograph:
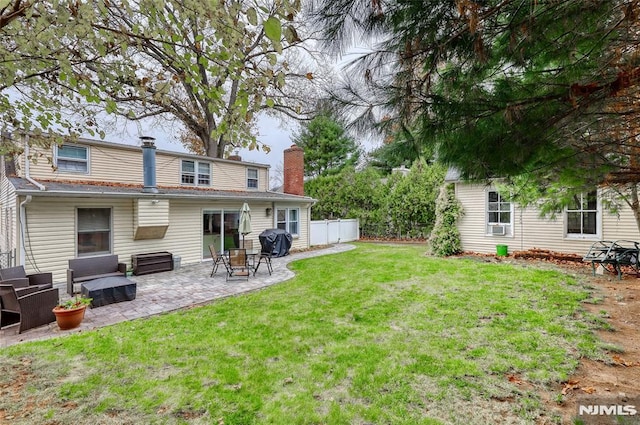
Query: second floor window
(72, 158)
(195, 173)
(204, 174)
(252, 178)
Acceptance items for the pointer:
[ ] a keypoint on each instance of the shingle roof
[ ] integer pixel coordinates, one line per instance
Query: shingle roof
(107, 189)
(453, 175)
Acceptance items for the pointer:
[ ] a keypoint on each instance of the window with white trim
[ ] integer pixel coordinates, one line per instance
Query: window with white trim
(204, 174)
(72, 158)
(195, 173)
(93, 231)
(288, 219)
(499, 214)
(582, 216)
(252, 178)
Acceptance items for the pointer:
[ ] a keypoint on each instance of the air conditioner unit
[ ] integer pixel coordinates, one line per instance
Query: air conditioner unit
(498, 230)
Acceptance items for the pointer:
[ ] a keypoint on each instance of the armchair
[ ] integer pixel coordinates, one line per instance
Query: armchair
(18, 278)
(26, 310)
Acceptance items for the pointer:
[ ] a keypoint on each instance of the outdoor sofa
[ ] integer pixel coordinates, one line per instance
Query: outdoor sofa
(90, 268)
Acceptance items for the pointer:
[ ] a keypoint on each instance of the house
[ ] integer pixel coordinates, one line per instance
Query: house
(490, 220)
(89, 198)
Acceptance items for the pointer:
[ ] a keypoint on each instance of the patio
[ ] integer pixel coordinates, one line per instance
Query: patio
(157, 293)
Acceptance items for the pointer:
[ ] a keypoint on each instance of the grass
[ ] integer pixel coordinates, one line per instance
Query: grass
(378, 335)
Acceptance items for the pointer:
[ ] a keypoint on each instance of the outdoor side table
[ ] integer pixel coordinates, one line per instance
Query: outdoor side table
(109, 290)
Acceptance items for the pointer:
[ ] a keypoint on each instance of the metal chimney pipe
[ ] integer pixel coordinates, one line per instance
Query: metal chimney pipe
(149, 164)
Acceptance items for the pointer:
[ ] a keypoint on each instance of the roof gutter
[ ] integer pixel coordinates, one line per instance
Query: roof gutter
(94, 193)
(26, 165)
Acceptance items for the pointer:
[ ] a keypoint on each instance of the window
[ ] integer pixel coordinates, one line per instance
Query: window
(188, 173)
(582, 216)
(204, 174)
(94, 231)
(252, 178)
(288, 219)
(72, 158)
(499, 214)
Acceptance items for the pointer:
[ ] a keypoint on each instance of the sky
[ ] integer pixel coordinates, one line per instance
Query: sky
(270, 132)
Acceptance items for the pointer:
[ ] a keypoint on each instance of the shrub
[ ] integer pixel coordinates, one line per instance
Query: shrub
(445, 237)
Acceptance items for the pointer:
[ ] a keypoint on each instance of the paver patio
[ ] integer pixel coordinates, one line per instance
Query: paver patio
(167, 291)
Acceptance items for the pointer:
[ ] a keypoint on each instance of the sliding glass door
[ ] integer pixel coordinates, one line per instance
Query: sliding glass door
(220, 229)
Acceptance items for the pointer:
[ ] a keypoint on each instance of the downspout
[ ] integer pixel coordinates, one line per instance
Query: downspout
(26, 166)
(23, 229)
(309, 225)
(521, 231)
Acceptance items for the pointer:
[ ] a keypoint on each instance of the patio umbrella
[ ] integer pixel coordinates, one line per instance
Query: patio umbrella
(244, 226)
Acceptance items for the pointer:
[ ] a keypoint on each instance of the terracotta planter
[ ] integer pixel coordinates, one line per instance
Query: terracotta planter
(69, 319)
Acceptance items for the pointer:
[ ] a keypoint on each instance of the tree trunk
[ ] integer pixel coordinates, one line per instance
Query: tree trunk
(635, 204)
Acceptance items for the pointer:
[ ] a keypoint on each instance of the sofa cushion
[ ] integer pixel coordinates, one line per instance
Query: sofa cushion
(96, 276)
(22, 282)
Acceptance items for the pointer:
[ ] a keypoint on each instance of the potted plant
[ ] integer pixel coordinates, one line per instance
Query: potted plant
(69, 314)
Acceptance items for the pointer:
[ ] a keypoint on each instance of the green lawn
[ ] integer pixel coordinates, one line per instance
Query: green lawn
(378, 335)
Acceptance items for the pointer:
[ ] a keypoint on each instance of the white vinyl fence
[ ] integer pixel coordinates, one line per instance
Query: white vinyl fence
(324, 232)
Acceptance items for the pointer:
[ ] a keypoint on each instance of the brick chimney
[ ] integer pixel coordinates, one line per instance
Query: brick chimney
(294, 170)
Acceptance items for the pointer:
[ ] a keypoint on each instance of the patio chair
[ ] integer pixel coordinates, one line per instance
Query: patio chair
(238, 265)
(217, 259)
(18, 278)
(26, 310)
(266, 257)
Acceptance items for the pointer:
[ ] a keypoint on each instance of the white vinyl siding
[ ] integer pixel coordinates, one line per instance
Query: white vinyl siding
(529, 229)
(8, 217)
(51, 231)
(103, 156)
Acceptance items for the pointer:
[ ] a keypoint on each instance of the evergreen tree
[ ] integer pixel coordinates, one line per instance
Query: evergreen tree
(351, 194)
(327, 146)
(445, 236)
(399, 148)
(412, 200)
(504, 87)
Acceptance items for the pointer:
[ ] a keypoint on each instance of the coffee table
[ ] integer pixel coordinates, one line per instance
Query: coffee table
(109, 290)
